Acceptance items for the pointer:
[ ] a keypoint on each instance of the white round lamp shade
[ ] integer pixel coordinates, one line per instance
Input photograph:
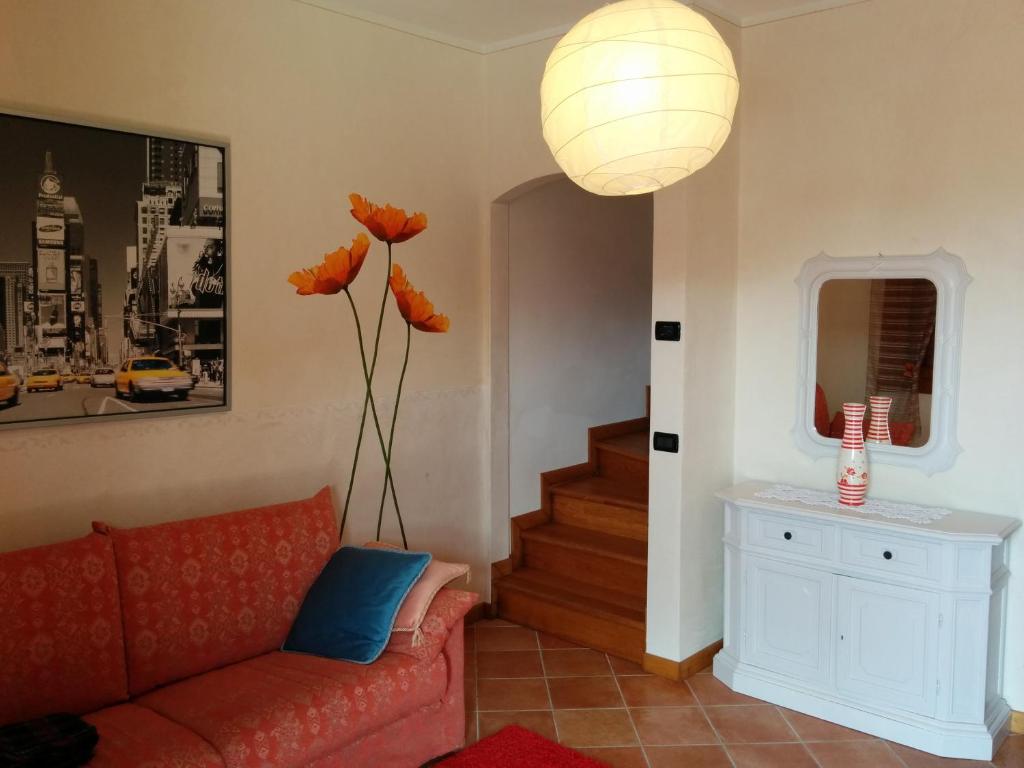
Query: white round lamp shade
(638, 95)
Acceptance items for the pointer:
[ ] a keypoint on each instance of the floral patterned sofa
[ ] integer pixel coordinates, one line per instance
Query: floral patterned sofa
(165, 638)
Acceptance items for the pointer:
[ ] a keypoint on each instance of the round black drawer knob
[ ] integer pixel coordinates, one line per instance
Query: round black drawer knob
(887, 555)
(787, 535)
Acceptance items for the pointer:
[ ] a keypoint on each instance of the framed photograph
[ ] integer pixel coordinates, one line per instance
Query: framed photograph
(113, 273)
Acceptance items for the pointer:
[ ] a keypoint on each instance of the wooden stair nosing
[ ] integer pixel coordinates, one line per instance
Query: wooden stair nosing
(633, 445)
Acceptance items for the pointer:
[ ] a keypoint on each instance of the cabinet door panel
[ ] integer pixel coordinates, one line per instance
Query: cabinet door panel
(887, 644)
(789, 609)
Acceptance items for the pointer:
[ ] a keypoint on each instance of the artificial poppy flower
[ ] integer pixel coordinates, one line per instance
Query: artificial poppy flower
(335, 273)
(416, 308)
(385, 222)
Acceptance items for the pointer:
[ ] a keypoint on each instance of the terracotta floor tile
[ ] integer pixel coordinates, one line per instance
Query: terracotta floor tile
(673, 725)
(492, 664)
(616, 757)
(812, 729)
(913, 758)
(505, 639)
(470, 695)
(528, 693)
(770, 756)
(469, 641)
(571, 663)
(595, 728)
(1011, 754)
(759, 723)
(651, 691)
(550, 641)
(854, 754)
(540, 723)
(624, 667)
(493, 623)
(688, 757)
(711, 691)
(584, 692)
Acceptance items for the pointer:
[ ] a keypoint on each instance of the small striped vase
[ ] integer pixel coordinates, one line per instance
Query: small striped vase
(878, 429)
(852, 471)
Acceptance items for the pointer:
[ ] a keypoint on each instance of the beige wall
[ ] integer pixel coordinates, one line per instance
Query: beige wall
(315, 105)
(891, 126)
(579, 292)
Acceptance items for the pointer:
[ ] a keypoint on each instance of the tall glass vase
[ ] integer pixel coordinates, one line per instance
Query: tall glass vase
(852, 470)
(878, 428)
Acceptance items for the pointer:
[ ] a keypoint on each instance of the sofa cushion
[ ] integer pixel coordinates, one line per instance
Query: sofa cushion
(351, 607)
(61, 647)
(132, 737)
(417, 602)
(203, 593)
(286, 709)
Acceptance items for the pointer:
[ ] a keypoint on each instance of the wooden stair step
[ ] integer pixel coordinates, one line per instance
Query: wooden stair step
(600, 619)
(585, 504)
(636, 445)
(623, 457)
(604, 490)
(593, 557)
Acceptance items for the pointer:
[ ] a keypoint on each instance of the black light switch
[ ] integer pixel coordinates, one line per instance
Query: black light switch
(666, 441)
(668, 330)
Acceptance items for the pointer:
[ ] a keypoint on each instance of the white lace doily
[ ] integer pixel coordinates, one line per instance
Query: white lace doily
(895, 510)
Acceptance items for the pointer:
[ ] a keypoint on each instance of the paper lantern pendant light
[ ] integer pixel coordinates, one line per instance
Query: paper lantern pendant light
(638, 95)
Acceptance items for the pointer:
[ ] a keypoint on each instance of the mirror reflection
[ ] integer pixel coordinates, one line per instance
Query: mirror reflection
(876, 337)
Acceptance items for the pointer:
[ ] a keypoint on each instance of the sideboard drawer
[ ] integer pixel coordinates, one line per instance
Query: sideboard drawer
(884, 553)
(797, 536)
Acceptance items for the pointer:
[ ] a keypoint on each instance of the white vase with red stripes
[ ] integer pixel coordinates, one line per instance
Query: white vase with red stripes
(878, 428)
(852, 471)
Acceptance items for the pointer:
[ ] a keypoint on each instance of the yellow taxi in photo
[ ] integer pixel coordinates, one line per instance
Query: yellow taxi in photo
(44, 378)
(68, 377)
(10, 386)
(158, 376)
(83, 378)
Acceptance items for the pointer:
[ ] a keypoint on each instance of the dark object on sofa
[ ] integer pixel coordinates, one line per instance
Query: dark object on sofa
(54, 741)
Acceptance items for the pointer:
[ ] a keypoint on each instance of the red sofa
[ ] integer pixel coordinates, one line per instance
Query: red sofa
(165, 638)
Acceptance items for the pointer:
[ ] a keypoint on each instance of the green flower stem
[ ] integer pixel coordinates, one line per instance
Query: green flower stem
(368, 398)
(391, 440)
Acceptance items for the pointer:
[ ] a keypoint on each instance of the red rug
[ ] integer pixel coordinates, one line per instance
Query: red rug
(515, 747)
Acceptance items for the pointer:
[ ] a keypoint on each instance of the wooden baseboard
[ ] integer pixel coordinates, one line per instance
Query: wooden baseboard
(479, 612)
(680, 670)
(1017, 722)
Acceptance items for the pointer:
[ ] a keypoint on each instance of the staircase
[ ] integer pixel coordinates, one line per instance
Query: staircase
(578, 568)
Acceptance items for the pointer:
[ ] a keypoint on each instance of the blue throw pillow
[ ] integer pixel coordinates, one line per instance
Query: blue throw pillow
(349, 611)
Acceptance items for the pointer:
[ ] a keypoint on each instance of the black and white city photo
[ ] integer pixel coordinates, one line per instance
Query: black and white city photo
(113, 273)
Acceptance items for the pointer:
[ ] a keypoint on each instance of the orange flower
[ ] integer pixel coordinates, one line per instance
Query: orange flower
(335, 273)
(386, 223)
(414, 306)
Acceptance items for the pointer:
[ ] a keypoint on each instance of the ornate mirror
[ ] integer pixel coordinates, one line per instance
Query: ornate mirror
(888, 326)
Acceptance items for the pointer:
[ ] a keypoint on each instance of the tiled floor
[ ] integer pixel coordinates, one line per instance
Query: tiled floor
(612, 710)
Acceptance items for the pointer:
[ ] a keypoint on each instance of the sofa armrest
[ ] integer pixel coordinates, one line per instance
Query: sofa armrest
(447, 609)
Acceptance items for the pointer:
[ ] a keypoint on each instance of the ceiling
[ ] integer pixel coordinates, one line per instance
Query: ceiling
(485, 26)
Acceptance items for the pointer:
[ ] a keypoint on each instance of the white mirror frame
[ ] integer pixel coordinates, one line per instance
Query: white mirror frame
(950, 277)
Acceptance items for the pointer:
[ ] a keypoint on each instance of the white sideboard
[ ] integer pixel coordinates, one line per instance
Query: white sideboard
(886, 626)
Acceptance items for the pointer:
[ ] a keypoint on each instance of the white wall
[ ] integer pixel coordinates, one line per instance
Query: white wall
(692, 393)
(315, 105)
(892, 126)
(579, 297)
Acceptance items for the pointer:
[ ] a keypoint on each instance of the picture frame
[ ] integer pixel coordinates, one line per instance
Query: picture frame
(115, 273)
